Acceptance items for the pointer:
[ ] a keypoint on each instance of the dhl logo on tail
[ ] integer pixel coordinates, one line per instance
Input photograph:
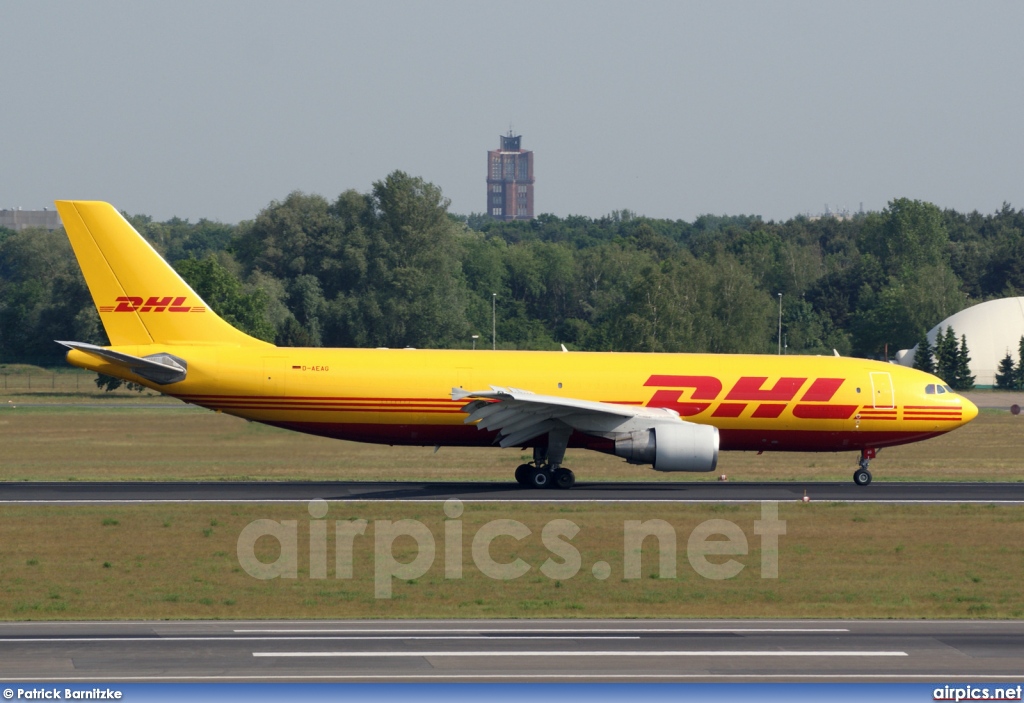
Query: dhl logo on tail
(128, 303)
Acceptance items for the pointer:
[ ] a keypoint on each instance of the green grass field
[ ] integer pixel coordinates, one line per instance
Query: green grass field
(835, 561)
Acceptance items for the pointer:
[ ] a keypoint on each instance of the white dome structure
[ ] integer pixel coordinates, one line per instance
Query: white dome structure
(992, 329)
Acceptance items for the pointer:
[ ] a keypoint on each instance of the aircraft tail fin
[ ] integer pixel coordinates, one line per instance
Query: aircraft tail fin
(140, 298)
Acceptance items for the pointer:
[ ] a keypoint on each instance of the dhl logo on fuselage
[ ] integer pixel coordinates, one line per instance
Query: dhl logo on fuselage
(126, 303)
(769, 402)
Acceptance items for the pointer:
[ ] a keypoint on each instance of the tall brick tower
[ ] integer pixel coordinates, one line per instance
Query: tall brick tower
(510, 180)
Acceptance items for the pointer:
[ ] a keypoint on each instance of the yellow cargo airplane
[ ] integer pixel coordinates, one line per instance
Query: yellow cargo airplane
(672, 411)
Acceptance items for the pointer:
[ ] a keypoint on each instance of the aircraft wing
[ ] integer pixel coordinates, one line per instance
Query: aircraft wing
(519, 416)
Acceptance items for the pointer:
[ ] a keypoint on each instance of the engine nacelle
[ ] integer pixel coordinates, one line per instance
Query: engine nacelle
(685, 446)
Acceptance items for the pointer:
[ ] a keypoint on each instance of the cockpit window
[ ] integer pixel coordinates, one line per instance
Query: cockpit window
(930, 389)
(940, 389)
(948, 389)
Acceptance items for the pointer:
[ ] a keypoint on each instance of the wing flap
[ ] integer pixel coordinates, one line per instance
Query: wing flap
(526, 434)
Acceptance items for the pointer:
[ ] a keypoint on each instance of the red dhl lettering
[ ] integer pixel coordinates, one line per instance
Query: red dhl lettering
(822, 390)
(126, 304)
(131, 303)
(774, 399)
(768, 411)
(752, 388)
(729, 410)
(158, 304)
(704, 388)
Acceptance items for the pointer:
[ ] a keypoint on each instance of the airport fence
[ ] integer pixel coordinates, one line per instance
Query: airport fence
(18, 379)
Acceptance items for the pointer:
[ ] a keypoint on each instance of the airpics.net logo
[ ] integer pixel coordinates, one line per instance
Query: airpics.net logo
(712, 547)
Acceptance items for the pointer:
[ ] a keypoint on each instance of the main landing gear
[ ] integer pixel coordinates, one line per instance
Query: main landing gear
(544, 476)
(862, 476)
(546, 470)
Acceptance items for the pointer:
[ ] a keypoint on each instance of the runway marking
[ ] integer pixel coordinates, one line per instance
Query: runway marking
(595, 653)
(591, 630)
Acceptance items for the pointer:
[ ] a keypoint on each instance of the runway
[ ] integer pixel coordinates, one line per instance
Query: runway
(703, 492)
(543, 650)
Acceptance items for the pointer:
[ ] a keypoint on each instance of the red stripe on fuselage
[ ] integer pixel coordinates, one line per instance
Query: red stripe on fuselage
(318, 398)
(332, 408)
(824, 412)
(351, 405)
(470, 436)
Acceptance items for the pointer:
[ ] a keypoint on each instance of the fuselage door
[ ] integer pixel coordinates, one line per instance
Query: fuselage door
(274, 375)
(882, 393)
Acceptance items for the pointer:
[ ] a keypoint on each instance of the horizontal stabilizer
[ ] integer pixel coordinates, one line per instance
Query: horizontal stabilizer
(160, 368)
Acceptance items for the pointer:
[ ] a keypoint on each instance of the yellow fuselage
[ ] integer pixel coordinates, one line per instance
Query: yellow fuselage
(403, 396)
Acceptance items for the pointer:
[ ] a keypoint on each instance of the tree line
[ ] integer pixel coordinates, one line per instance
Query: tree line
(1010, 375)
(394, 267)
(949, 359)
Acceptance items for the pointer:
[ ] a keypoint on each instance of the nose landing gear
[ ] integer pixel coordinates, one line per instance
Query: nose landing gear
(862, 476)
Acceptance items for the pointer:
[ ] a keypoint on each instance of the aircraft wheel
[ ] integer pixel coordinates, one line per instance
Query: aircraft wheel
(523, 474)
(862, 477)
(540, 478)
(564, 478)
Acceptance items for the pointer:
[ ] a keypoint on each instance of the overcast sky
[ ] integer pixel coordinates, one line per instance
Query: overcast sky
(670, 109)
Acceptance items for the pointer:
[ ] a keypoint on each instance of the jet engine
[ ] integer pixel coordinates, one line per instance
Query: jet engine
(684, 446)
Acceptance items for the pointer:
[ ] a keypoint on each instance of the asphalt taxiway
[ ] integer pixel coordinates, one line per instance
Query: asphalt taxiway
(697, 492)
(495, 650)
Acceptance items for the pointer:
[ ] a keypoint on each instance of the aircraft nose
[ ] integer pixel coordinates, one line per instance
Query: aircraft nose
(969, 410)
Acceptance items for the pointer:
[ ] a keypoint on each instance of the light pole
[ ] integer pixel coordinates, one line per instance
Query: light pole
(475, 337)
(494, 336)
(780, 324)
